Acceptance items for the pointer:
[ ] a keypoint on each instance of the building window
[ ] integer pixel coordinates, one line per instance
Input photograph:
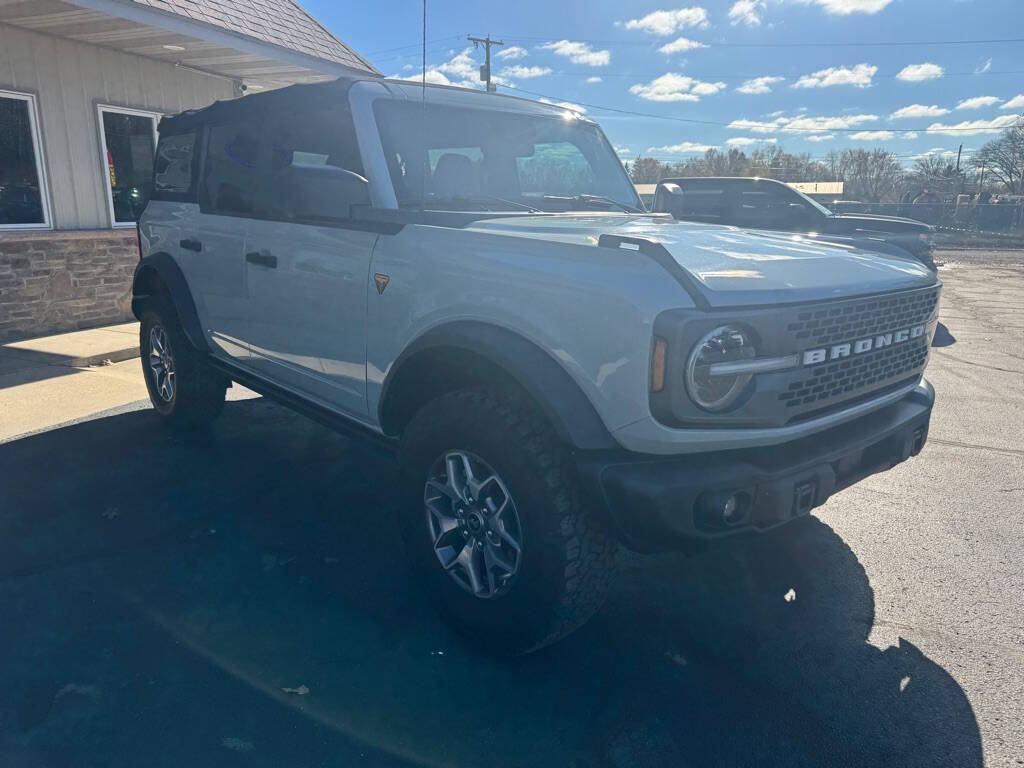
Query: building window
(128, 148)
(23, 197)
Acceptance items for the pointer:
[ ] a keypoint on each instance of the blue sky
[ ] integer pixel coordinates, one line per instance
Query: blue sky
(731, 64)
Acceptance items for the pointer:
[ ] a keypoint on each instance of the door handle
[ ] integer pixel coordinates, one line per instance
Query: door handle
(191, 245)
(262, 258)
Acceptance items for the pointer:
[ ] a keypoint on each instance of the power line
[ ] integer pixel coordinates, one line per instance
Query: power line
(415, 46)
(803, 44)
(695, 121)
(699, 76)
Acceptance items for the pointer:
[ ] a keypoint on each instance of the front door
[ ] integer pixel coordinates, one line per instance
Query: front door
(307, 282)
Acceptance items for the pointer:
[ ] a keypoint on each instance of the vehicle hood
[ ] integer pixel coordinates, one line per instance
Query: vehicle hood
(729, 266)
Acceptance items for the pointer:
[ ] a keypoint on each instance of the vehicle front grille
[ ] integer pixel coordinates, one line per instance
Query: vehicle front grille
(859, 319)
(853, 376)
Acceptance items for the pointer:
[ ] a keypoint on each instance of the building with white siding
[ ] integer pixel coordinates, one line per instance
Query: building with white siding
(83, 84)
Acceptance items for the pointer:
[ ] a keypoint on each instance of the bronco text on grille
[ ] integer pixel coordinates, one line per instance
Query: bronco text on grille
(881, 342)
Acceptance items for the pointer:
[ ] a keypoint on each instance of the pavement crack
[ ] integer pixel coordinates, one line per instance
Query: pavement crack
(975, 446)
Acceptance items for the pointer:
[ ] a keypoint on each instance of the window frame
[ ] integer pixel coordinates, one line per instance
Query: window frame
(104, 170)
(37, 146)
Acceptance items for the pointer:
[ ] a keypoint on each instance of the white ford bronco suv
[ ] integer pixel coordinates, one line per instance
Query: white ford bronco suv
(470, 280)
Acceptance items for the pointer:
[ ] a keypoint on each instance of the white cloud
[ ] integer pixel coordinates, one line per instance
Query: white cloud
(512, 52)
(821, 137)
(859, 76)
(972, 127)
(747, 12)
(984, 67)
(594, 79)
(872, 135)
(978, 102)
(680, 45)
(802, 124)
(918, 110)
(759, 85)
(685, 148)
(746, 141)
(461, 70)
(846, 7)
(664, 23)
(673, 87)
(915, 73)
(620, 151)
(579, 53)
(908, 135)
(565, 105)
(525, 73)
(1017, 102)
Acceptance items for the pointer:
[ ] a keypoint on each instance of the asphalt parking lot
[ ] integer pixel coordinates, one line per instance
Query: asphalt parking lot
(238, 598)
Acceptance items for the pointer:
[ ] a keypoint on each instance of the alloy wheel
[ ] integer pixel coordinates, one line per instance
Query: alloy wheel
(473, 523)
(161, 363)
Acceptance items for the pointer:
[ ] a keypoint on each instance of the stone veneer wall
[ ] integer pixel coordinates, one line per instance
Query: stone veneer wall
(51, 282)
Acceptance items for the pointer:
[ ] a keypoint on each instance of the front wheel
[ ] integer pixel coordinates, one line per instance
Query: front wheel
(182, 387)
(495, 526)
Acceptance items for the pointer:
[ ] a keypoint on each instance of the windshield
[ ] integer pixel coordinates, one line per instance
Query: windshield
(812, 202)
(471, 159)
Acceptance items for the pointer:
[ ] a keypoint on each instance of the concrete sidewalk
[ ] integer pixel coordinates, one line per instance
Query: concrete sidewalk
(78, 349)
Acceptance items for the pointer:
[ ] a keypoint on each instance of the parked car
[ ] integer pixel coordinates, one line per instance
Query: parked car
(469, 280)
(754, 203)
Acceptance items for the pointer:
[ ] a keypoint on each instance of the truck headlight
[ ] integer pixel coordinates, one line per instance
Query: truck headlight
(709, 380)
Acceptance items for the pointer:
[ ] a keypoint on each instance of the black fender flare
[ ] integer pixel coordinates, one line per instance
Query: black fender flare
(543, 378)
(163, 268)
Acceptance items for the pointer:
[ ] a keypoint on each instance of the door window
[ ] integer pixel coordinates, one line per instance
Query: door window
(231, 176)
(22, 185)
(766, 206)
(129, 146)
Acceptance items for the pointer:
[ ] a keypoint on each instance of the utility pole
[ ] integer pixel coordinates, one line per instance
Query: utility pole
(958, 176)
(485, 69)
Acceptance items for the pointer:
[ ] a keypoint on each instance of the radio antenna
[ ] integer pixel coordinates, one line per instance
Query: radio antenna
(423, 115)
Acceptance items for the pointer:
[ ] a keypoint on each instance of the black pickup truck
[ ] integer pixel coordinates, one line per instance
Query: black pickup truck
(755, 203)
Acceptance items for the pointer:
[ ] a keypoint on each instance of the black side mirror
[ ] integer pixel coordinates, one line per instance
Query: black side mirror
(322, 192)
(668, 198)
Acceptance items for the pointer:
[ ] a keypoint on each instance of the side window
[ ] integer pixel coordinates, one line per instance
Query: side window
(172, 173)
(301, 140)
(231, 176)
(765, 206)
(703, 202)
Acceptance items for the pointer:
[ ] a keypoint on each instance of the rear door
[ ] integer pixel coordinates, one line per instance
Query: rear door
(307, 282)
(228, 201)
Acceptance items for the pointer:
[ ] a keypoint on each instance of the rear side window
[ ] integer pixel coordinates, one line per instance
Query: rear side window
(765, 206)
(232, 173)
(172, 171)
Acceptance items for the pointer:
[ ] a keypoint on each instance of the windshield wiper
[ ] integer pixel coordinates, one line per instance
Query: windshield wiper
(482, 199)
(590, 199)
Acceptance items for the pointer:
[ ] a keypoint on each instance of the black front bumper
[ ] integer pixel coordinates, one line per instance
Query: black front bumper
(654, 503)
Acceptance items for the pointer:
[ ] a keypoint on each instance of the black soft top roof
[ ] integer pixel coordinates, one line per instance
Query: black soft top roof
(256, 105)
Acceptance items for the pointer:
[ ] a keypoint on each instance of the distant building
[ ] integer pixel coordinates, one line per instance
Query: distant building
(822, 191)
(83, 84)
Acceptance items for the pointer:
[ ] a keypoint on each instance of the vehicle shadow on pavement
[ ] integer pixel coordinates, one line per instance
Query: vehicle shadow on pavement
(239, 596)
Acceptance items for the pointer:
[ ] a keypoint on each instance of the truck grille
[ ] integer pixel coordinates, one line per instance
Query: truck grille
(853, 376)
(831, 383)
(859, 319)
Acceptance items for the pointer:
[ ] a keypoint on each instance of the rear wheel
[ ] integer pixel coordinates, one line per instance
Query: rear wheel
(496, 527)
(182, 387)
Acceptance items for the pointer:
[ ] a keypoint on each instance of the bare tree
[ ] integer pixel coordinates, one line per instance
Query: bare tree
(870, 175)
(1004, 158)
(935, 173)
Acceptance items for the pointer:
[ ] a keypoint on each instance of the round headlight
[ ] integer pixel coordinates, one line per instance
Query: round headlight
(715, 389)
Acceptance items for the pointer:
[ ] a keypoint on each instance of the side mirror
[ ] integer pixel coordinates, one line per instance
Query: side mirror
(322, 192)
(668, 198)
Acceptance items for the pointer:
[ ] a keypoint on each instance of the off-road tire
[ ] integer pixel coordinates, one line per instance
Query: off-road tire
(198, 396)
(567, 560)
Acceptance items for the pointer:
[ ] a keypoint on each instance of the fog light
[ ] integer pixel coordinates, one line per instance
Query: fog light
(723, 510)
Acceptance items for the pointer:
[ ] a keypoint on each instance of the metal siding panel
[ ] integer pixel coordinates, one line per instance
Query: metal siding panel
(69, 79)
